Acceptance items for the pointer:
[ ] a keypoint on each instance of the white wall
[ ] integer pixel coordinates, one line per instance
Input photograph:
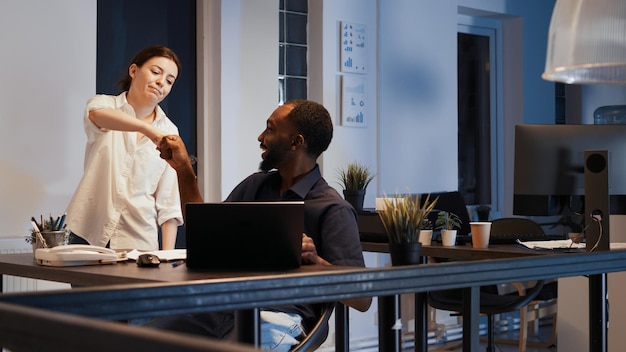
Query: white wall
(411, 92)
(249, 87)
(48, 71)
(349, 144)
(417, 96)
(418, 85)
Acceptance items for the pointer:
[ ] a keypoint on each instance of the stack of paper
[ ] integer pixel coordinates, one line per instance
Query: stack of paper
(554, 244)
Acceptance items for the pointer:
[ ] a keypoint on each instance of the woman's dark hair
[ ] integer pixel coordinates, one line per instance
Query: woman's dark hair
(144, 55)
(313, 122)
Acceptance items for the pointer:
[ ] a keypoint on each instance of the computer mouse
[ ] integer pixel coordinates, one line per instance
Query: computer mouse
(148, 260)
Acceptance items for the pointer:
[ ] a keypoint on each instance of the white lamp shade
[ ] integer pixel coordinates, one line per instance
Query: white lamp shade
(587, 42)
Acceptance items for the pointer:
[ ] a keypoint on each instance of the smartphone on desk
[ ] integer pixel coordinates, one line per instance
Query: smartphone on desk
(76, 254)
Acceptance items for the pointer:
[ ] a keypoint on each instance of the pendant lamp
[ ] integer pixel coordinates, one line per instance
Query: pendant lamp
(587, 42)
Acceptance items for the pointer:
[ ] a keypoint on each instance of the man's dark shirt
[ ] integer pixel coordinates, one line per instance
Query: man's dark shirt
(328, 219)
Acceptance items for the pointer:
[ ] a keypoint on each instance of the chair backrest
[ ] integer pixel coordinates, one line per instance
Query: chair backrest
(318, 332)
(490, 303)
(515, 226)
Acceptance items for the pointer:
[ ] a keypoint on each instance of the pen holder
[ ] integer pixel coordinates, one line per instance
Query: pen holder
(52, 238)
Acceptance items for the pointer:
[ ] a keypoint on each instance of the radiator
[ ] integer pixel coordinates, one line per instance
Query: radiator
(19, 284)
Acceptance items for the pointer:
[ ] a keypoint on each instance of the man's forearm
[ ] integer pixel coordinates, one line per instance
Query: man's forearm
(188, 186)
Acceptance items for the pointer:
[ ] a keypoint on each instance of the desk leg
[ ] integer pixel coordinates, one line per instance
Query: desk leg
(471, 311)
(389, 336)
(421, 322)
(248, 326)
(342, 328)
(421, 317)
(598, 313)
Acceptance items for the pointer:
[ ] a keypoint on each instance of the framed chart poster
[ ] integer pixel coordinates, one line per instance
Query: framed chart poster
(353, 48)
(353, 101)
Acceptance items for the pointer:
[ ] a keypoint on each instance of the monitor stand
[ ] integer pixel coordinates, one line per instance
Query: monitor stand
(597, 210)
(597, 200)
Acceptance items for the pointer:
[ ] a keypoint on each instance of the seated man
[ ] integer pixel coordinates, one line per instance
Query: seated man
(295, 135)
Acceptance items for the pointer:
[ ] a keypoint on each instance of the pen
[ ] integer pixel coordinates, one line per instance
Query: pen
(38, 233)
(61, 222)
(177, 263)
(32, 218)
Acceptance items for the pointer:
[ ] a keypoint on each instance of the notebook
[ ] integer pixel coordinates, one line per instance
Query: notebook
(244, 235)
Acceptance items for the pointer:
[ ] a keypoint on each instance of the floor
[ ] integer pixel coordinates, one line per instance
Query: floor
(543, 335)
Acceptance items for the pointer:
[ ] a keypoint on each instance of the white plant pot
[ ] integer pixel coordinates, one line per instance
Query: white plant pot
(426, 237)
(448, 237)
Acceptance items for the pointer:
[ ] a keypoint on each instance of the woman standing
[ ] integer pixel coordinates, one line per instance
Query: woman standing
(127, 191)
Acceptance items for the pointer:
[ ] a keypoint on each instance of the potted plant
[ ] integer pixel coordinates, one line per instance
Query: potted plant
(403, 221)
(355, 178)
(448, 223)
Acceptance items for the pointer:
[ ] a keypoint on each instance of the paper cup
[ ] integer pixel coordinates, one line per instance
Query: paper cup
(480, 234)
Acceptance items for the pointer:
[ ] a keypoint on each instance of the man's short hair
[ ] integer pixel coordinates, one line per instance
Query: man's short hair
(313, 122)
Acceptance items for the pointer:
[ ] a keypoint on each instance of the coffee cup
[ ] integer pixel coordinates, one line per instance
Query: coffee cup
(481, 231)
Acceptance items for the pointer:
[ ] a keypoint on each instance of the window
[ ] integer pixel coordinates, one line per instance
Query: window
(292, 43)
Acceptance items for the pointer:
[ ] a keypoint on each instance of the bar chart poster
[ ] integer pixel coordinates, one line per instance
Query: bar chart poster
(353, 101)
(353, 45)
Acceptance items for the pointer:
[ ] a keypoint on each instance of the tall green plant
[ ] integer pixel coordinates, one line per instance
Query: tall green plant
(402, 217)
(355, 177)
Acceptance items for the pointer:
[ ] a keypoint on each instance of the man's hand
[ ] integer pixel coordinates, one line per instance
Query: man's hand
(309, 252)
(173, 151)
(309, 256)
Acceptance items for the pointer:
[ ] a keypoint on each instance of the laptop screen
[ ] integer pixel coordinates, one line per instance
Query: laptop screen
(244, 235)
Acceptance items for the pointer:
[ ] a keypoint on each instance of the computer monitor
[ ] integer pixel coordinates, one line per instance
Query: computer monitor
(551, 168)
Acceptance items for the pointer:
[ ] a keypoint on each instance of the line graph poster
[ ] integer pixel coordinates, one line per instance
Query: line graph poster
(353, 102)
(353, 45)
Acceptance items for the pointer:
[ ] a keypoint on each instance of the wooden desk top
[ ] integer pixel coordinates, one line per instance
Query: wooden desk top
(127, 272)
(466, 251)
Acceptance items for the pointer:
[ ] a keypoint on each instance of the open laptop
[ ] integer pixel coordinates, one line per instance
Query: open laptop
(244, 235)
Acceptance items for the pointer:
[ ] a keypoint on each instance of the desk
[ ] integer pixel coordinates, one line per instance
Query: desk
(126, 272)
(23, 265)
(389, 306)
(463, 251)
(146, 299)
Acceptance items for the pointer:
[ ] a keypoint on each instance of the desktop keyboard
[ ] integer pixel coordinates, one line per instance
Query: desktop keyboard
(512, 238)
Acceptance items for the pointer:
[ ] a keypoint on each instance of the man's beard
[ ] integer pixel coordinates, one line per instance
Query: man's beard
(272, 159)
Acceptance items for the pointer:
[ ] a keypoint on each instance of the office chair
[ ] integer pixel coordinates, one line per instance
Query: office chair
(490, 304)
(545, 302)
(317, 331)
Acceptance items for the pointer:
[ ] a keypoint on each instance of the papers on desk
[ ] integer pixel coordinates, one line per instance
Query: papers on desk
(564, 244)
(164, 255)
(554, 244)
